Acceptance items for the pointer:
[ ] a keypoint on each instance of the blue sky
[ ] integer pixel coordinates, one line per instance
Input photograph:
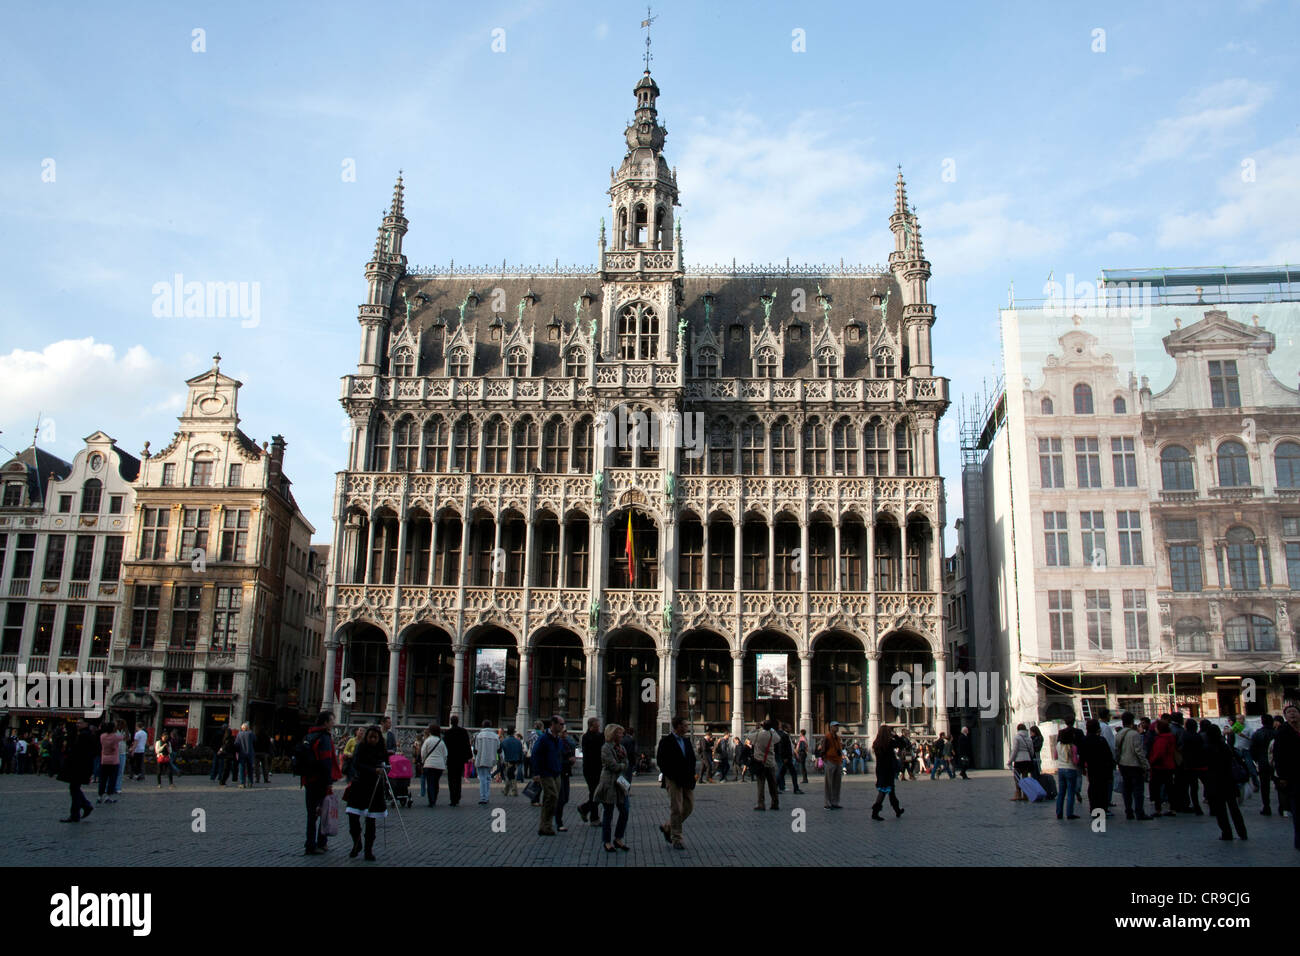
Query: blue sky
(226, 165)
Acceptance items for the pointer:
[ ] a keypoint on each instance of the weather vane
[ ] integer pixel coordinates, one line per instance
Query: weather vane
(645, 25)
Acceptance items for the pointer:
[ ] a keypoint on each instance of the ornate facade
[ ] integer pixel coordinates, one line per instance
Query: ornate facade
(766, 437)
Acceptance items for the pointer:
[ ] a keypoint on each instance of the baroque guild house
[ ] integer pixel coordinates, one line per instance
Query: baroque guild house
(640, 489)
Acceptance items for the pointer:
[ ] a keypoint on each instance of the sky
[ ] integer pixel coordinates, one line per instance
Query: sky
(259, 143)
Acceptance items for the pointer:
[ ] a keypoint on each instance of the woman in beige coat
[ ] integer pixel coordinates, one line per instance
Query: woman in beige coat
(609, 792)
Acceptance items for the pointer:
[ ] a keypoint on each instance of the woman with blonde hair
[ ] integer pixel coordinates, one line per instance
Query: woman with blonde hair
(612, 789)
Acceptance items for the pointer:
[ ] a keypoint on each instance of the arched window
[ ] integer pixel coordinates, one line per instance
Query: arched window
(638, 332)
(814, 447)
(753, 447)
(903, 457)
(1176, 469)
(403, 362)
(884, 362)
(1286, 459)
(583, 458)
(526, 445)
(406, 448)
(201, 471)
(496, 446)
(722, 447)
(1250, 632)
(845, 441)
(1243, 559)
(1120, 406)
(379, 446)
(783, 447)
(642, 224)
(464, 448)
(1082, 399)
(91, 494)
(458, 363)
(436, 434)
(555, 447)
(828, 363)
(1234, 467)
(875, 437)
(1045, 407)
(517, 362)
(706, 364)
(765, 363)
(575, 363)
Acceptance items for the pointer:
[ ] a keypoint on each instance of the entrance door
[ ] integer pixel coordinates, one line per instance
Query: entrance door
(216, 721)
(1229, 703)
(626, 671)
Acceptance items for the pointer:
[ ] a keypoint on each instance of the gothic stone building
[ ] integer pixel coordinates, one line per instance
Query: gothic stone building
(766, 437)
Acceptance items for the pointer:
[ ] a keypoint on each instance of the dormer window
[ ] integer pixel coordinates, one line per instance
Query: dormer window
(1225, 390)
(1045, 407)
(403, 363)
(575, 363)
(827, 363)
(638, 333)
(13, 495)
(884, 362)
(706, 364)
(1120, 406)
(458, 363)
(765, 363)
(91, 494)
(201, 472)
(517, 362)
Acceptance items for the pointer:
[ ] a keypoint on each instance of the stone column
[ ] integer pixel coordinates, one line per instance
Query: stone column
(331, 657)
(837, 577)
(394, 661)
(875, 703)
(771, 553)
(370, 545)
(737, 693)
(740, 543)
(905, 584)
(941, 694)
(805, 693)
(592, 684)
(457, 681)
(522, 723)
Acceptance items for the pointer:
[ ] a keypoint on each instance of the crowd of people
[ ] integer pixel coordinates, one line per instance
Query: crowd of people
(1177, 763)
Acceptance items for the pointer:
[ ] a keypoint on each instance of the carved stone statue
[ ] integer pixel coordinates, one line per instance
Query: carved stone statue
(883, 308)
(668, 617)
(670, 486)
(593, 616)
(598, 486)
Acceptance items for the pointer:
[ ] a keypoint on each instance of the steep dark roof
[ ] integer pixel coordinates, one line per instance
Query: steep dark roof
(40, 466)
(736, 302)
(128, 466)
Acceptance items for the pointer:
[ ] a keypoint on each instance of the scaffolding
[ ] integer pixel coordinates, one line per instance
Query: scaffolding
(980, 418)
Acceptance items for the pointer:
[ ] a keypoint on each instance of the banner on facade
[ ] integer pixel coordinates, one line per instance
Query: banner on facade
(772, 676)
(490, 671)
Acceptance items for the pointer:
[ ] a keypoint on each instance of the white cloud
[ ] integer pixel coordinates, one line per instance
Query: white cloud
(80, 385)
(976, 234)
(1205, 118)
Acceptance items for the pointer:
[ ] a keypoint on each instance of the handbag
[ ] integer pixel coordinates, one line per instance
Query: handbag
(329, 815)
(624, 784)
(533, 791)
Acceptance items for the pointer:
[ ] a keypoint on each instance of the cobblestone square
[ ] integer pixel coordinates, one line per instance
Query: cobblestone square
(946, 823)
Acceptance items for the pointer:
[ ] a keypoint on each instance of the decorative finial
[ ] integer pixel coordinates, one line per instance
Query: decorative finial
(645, 25)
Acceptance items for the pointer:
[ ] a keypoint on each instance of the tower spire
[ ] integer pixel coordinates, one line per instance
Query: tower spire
(396, 209)
(645, 25)
(900, 194)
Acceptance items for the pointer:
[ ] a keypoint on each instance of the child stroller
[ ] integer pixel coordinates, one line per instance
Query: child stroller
(399, 777)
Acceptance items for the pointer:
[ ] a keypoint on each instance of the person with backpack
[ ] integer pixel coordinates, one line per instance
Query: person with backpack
(1221, 781)
(317, 769)
(1067, 768)
(1133, 767)
(1259, 742)
(433, 761)
(763, 764)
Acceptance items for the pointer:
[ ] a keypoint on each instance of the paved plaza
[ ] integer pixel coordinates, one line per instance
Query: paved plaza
(947, 823)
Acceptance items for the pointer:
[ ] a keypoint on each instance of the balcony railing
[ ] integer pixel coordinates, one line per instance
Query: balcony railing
(97, 665)
(78, 589)
(18, 587)
(818, 390)
(179, 660)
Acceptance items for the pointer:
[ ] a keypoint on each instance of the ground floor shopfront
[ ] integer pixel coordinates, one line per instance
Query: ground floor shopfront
(490, 676)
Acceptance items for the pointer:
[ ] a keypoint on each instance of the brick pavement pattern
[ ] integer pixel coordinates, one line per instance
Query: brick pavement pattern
(947, 823)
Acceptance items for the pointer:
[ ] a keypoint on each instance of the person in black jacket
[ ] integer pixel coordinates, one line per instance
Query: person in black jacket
(367, 794)
(78, 765)
(961, 748)
(592, 742)
(887, 768)
(1195, 765)
(1286, 766)
(1220, 786)
(1098, 762)
(1259, 742)
(458, 754)
(676, 759)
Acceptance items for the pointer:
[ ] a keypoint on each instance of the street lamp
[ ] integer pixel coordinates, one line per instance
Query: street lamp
(562, 701)
(692, 696)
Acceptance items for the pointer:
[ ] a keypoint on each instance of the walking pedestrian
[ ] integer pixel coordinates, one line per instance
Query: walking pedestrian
(1098, 762)
(634, 754)
(246, 750)
(704, 757)
(612, 788)
(1022, 759)
(744, 754)
(1133, 767)
(568, 757)
(162, 752)
(887, 770)
(676, 760)
(547, 761)
(366, 796)
(1161, 757)
(390, 736)
(433, 761)
(942, 753)
(785, 758)
(1036, 738)
(1259, 742)
(963, 752)
(75, 771)
(1220, 784)
(318, 778)
(1066, 748)
(486, 747)
(764, 764)
(593, 745)
(1195, 764)
(458, 754)
(229, 758)
(109, 739)
(801, 753)
(512, 749)
(722, 756)
(139, 742)
(832, 754)
(1286, 766)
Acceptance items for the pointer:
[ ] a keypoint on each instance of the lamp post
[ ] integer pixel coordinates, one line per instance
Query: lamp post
(692, 696)
(562, 702)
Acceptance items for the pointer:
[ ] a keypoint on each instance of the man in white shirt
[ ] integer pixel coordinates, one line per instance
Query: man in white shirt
(20, 754)
(486, 747)
(1108, 731)
(141, 740)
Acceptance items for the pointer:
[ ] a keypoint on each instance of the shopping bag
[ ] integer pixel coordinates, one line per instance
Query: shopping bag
(329, 815)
